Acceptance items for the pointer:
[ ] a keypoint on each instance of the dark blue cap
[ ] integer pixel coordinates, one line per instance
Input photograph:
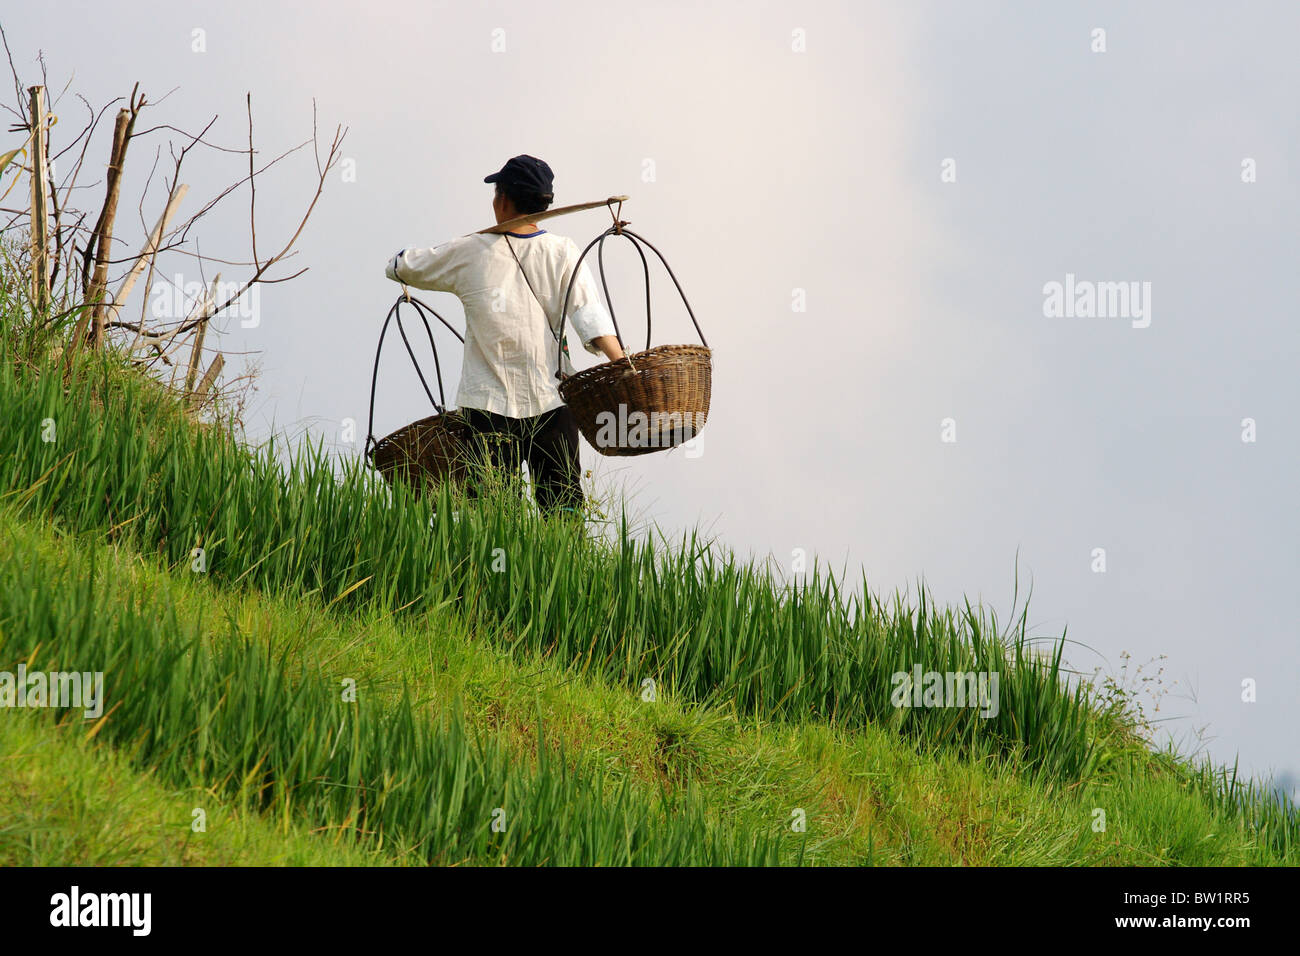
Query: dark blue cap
(525, 172)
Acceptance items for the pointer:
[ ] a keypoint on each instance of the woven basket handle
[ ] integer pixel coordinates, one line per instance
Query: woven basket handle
(636, 240)
(395, 312)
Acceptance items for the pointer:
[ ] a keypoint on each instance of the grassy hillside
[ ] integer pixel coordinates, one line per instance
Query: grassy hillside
(233, 599)
(68, 801)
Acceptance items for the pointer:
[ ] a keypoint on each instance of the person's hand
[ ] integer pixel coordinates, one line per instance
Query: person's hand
(609, 345)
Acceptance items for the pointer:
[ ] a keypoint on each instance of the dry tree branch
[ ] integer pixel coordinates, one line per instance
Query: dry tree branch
(87, 135)
(252, 182)
(331, 161)
(87, 239)
(18, 84)
(198, 139)
(184, 228)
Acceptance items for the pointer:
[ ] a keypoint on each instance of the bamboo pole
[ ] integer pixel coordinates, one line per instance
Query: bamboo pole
(40, 227)
(549, 214)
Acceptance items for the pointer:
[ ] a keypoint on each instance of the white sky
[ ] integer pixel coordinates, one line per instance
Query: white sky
(776, 170)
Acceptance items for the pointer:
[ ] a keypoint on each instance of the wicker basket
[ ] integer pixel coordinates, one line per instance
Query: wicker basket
(424, 454)
(433, 450)
(647, 402)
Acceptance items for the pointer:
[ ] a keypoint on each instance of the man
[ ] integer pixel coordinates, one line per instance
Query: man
(512, 286)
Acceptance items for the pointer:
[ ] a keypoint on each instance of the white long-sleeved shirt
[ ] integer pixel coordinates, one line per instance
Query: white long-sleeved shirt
(510, 346)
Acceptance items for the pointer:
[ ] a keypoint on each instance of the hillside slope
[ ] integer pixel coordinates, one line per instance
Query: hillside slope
(349, 675)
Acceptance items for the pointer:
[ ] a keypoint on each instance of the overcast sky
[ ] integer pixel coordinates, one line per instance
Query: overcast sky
(917, 175)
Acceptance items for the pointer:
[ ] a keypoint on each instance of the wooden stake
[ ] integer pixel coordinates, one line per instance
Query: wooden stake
(209, 377)
(199, 334)
(103, 235)
(40, 203)
(150, 247)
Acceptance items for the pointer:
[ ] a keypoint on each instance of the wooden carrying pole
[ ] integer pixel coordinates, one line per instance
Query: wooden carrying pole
(549, 214)
(40, 203)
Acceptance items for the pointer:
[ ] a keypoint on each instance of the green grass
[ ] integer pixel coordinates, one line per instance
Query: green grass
(69, 801)
(269, 733)
(696, 620)
(869, 795)
(500, 660)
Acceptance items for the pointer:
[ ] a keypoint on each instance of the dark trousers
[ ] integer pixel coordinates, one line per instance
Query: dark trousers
(548, 442)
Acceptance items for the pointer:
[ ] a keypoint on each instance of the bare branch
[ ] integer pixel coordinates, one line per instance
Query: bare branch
(85, 246)
(184, 227)
(18, 84)
(252, 182)
(175, 129)
(330, 162)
